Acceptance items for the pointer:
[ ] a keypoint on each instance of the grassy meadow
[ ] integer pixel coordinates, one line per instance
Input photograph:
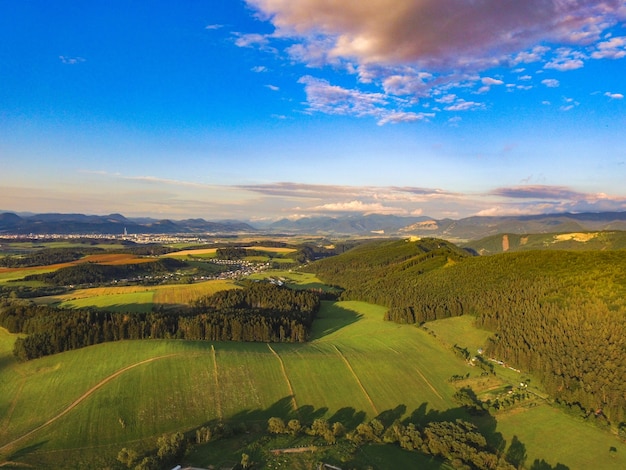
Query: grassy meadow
(105, 397)
(137, 298)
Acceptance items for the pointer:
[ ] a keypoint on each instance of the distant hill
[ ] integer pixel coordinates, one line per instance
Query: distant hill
(346, 225)
(469, 228)
(112, 224)
(575, 241)
(466, 229)
(473, 228)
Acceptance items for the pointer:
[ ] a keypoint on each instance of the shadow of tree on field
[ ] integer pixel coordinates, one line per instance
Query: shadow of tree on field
(24, 451)
(543, 465)
(332, 318)
(516, 454)
(7, 360)
(348, 416)
(388, 417)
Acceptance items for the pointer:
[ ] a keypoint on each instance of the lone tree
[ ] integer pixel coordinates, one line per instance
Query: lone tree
(245, 460)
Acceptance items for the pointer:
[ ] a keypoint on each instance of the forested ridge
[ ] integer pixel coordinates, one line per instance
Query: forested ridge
(47, 257)
(258, 312)
(93, 273)
(558, 314)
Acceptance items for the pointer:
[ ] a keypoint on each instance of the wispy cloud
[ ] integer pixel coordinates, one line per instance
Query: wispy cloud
(360, 207)
(614, 96)
(550, 82)
(614, 48)
(71, 60)
(537, 192)
(566, 59)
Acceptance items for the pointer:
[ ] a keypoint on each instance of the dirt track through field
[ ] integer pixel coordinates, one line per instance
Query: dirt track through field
(419, 372)
(218, 402)
(83, 397)
(358, 381)
(282, 367)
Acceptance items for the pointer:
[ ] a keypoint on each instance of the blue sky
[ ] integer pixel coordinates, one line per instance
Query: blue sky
(264, 109)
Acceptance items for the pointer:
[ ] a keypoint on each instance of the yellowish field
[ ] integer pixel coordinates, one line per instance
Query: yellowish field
(212, 251)
(108, 258)
(197, 252)
(272, 249)
(185, 294)
(167, 295)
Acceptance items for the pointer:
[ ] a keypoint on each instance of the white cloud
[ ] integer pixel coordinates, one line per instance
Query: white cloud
(614, 48)
(550, 82)
(488, 82)
(395, 117)
(272, 87)
(259, 69)
(462, 105)
(213, 26)
(333, 99)
(71, 60)
(566, 59)
(359, 207)
(614, 96)
(534, 55)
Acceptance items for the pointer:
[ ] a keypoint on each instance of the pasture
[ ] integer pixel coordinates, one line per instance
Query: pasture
(187, 384)
(138, 298)
(356, 366)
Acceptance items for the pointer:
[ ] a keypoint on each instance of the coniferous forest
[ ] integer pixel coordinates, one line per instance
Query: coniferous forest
(559, 315)
(258, 312)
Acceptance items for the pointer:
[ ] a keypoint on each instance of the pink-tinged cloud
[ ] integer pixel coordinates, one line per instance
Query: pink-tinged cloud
(359, 207)
(333, 99)
(614, 48)
(440, 34)
(614, 96)
(538, 192)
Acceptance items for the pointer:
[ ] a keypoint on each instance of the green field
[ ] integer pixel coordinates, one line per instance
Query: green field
(105, 397)
(130, 302)
(137, 298)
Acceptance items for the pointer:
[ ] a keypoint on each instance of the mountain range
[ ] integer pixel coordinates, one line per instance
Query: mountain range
(113, 224)
(469, 228)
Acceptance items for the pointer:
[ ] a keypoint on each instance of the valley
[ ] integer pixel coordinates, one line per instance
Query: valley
(84, 406)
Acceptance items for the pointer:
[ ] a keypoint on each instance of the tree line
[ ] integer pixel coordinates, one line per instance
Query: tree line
(259, 312)
(93, 273)
(47, 257)
(559, 315)
(458, 442)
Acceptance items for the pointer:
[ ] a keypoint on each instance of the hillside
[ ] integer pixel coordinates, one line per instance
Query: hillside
(573, 241)
(558, 314)
(468, 228)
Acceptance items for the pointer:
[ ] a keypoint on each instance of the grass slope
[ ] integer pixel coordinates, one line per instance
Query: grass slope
(189, 384)
(102, 398)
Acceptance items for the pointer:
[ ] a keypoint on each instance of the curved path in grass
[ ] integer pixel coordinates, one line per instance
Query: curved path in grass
(84, 396)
